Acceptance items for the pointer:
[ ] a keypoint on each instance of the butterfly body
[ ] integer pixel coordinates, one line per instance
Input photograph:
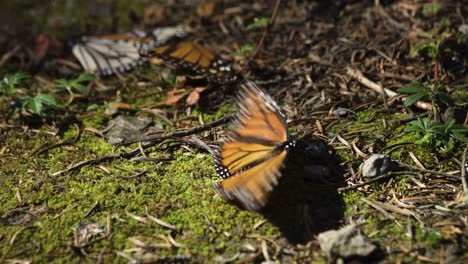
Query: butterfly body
(249, 162)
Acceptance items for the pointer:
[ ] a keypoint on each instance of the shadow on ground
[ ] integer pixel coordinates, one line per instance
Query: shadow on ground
(306, 201)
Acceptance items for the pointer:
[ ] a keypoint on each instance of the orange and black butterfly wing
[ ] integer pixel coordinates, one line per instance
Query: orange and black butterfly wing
(188, 55)
(251, 186)
(249, 162)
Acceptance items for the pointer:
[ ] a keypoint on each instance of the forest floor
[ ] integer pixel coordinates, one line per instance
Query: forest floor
(68, 195)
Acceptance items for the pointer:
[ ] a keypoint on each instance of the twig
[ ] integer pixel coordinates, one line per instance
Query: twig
(265, 32)
(356, 74)
(378, 178)
(44, 148)
(377, 207)
(125, 155)
(154, 140)
(8, 55)
(463, 177)
(425, 170)
(183, 133)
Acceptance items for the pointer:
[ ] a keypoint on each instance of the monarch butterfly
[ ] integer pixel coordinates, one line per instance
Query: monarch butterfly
(249, 161)
(110, 54)
(189, 55)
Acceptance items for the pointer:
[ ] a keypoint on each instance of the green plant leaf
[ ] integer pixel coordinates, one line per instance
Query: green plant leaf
(258, 23)
(8, 83)
(35, 105)
(460, 134)
(76, 84)
(414, 87)
(92, 107)
(425, 139)
(46, 99)
(62, 82)
(431, 9)
(449, 124)
(450, 144)
(85, 77)
(81, 88)
(244, 49)
(412, 99)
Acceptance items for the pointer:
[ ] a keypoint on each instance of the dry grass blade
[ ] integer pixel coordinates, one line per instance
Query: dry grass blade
(377, 207)
(161, 222)
(344, 141)
(416, 160)
(258, 224)
(174, 243)
(140, 219)
(358, 151)
(400, 203)
(64, 211)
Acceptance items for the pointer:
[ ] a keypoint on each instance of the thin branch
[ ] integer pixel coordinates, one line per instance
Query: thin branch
(183, 133)
(8, 55)
(125, 155)
(267, 29)
(463, 177)
(442, 174)
(154, 140)
(356, 74)
(381, 177)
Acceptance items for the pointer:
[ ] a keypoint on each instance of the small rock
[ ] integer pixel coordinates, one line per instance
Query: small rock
(463, 28)
(376, 165)
(347, 242)
(128, 128)
(341, 111)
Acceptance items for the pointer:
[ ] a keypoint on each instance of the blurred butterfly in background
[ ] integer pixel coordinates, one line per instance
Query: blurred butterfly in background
(117, 53)
(191, 56)
(250, 160)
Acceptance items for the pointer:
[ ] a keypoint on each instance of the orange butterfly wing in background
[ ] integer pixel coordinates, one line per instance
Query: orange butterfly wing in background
(189, 55)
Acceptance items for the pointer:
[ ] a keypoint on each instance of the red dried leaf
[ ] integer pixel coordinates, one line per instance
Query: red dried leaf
(172, 98)
(46, 43)
(193, 97)
(201, 89)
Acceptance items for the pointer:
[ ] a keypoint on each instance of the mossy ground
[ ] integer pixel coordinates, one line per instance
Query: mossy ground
(179, 192)
(41, 212)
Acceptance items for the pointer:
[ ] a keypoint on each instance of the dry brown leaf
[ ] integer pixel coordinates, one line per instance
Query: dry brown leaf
(193, 97)
(172, 98)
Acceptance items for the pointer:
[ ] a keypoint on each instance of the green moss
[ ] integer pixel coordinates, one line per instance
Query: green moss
(431, 238)
(223, 110)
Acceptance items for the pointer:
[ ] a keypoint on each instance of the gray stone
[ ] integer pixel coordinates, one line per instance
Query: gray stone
(376, 165)
(346, 242)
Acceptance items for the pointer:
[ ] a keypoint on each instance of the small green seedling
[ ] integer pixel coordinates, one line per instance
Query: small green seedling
(432, 91)
(35, 104)
(438, 134)
(9, 82)
(76, 84)
(244, 50)
(431, 9)
(261, 22)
